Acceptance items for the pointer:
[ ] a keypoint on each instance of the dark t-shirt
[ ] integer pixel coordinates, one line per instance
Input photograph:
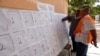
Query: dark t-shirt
(73, 25)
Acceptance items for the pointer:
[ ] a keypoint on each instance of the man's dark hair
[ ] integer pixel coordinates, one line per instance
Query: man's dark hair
(77, 12)
(86, 8)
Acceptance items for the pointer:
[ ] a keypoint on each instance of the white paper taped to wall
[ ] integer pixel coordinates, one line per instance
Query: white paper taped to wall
(4, 22)
(25, 52)
(42, 6)
(19, 40)
(6, 45)
(15, 18)
(31, 36)
(28, 19)
(36, 17)
(36, 50)
(50, 8)
(45, 7)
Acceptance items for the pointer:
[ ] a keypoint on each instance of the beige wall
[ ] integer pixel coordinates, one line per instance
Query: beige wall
(60, 5)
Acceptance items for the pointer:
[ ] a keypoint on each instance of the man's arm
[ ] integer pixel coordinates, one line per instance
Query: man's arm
(64, 19)
(94, 35)
(69, 18)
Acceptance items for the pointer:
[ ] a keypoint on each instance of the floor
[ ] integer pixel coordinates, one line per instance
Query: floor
(92, 51)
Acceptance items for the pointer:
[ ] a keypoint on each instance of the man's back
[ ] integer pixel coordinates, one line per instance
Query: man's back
(73, 25)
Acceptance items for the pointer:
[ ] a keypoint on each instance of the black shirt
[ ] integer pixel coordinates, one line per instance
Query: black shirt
(73, 25)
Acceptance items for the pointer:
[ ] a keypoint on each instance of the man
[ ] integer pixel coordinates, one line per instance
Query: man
(85, 32)
(74, 20)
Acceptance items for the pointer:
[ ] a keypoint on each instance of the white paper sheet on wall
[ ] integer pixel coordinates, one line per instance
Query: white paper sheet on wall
(52, 17)
(6, 45)
(52, 53)
(44, 18)
(28, 19)
(36, 50)
(47, 54)
(37, 18)
(15, 55)
(45, 7)
(4, 22)
(31, 36)
(25, 52)
(19, 40)
(50, 8)
(44, 46)
(16, 21)
(40, 33)
(47, 31)
(42, 6)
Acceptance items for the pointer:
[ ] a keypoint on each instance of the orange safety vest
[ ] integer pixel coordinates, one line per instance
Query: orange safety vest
(78, 28)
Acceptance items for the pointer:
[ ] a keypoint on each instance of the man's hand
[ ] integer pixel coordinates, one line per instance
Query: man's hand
(64, 19)
(95, 44)
(94, 35)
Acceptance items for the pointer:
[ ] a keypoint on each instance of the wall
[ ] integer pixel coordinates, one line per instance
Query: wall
(25, 30)
(60, 6)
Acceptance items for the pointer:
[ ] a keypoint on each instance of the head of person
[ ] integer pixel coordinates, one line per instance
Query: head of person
(84, 11)
(77, 13)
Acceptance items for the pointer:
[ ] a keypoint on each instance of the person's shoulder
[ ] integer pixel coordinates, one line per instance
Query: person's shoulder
(69, 18)
(87, 16)
(72, 16)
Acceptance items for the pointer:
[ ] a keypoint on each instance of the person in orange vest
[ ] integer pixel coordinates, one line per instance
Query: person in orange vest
(85, 32)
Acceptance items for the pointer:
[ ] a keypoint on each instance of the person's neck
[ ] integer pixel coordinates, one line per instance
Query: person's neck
(84, 15)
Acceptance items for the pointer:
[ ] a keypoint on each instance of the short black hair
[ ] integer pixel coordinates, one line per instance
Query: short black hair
(77, 12)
